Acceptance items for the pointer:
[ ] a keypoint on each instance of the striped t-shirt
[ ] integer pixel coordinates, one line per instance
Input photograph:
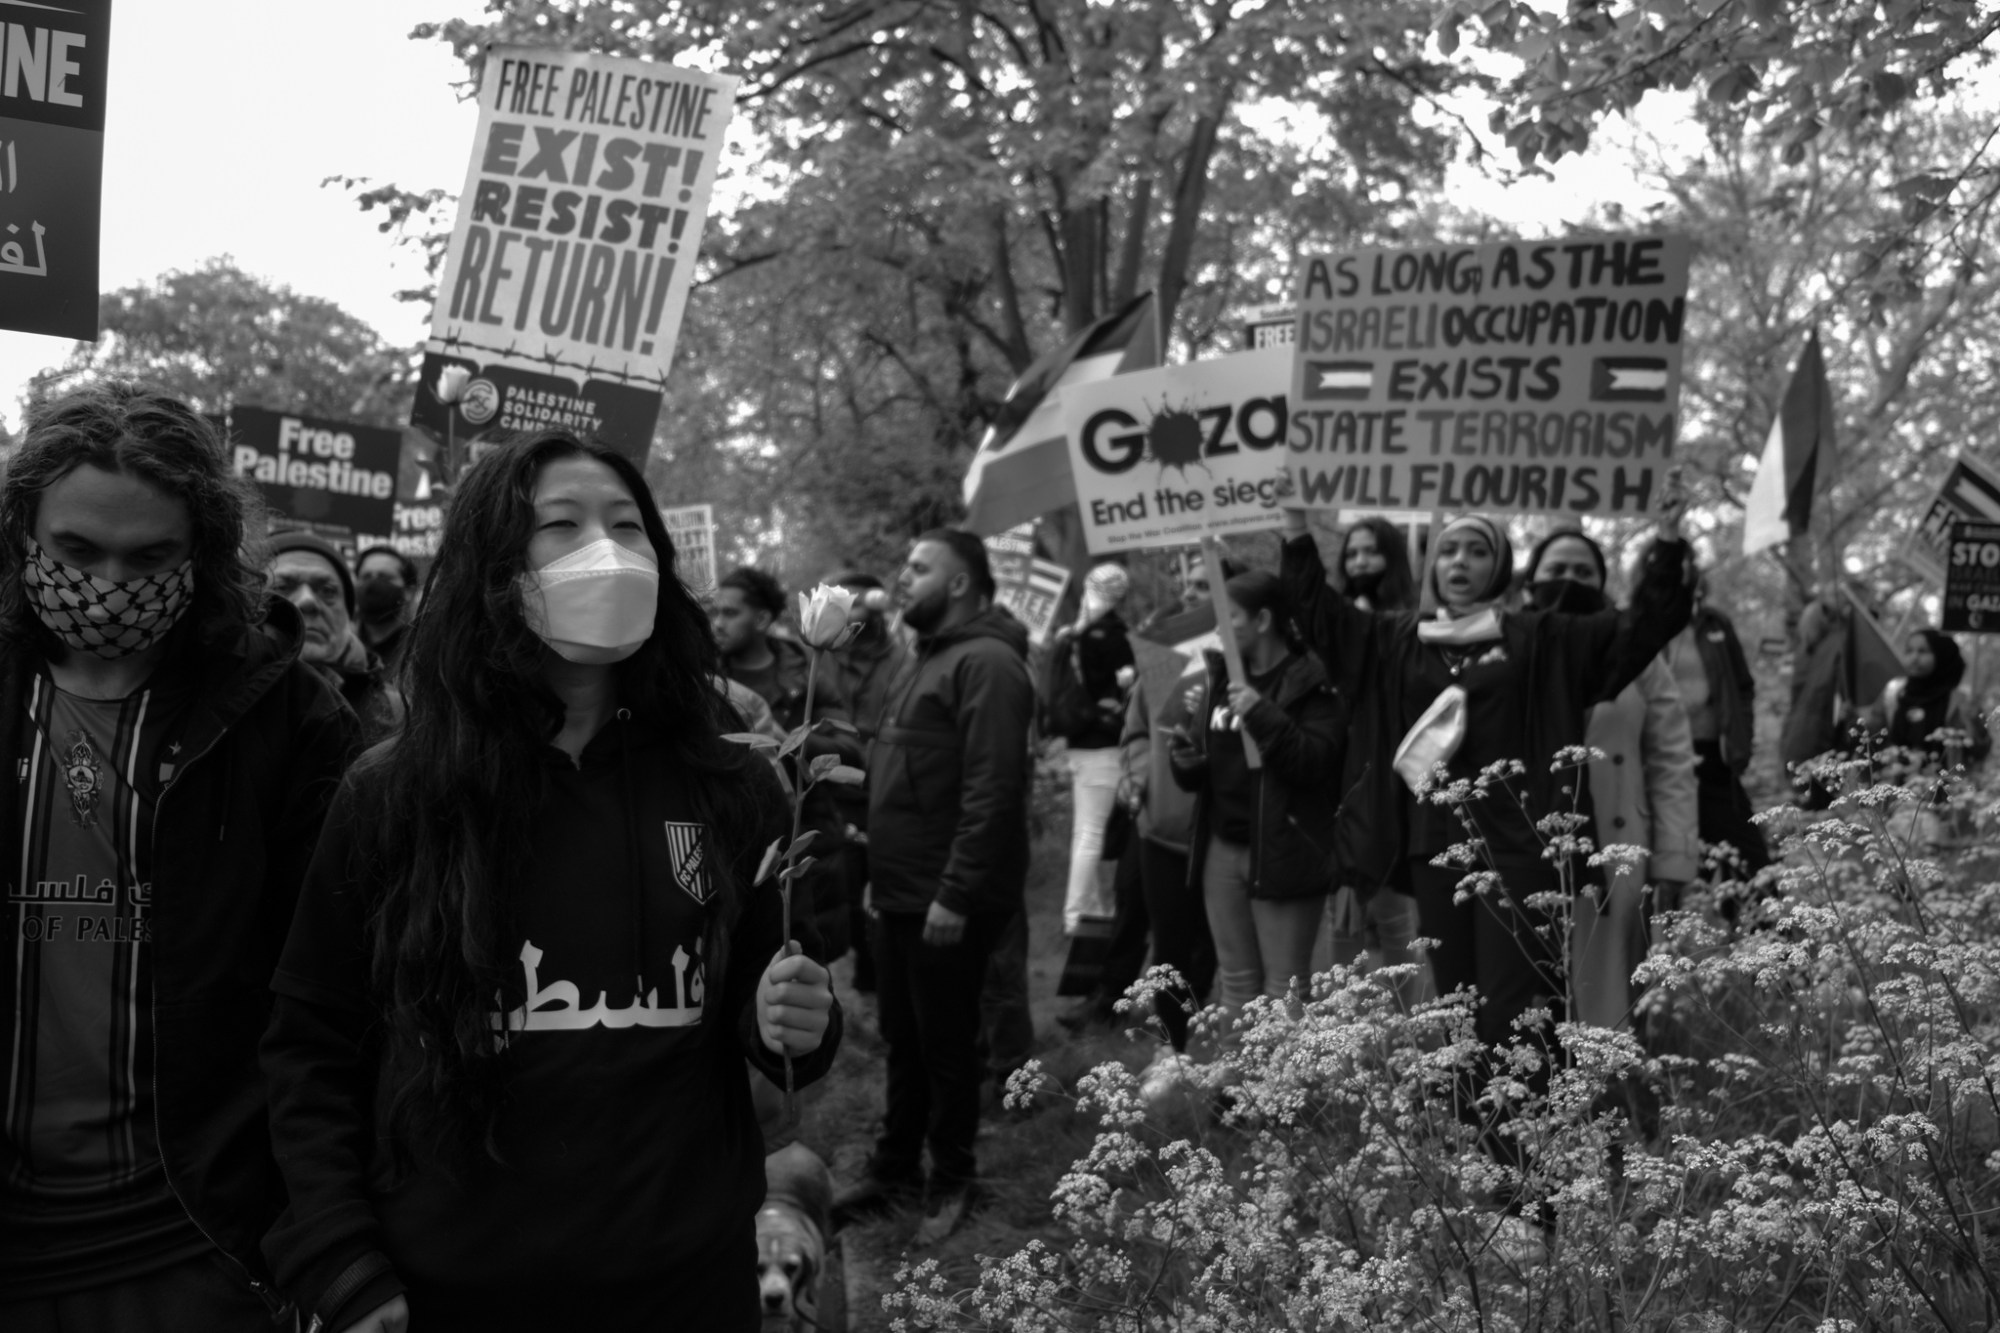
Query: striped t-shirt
(84, 1198)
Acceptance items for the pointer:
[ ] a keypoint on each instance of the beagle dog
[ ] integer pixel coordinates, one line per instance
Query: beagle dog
(791, 1238)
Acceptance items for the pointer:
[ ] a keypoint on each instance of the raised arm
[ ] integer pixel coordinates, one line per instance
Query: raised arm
(1340, 632)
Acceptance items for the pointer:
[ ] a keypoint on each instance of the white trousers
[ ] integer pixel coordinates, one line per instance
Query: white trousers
(1094, 792)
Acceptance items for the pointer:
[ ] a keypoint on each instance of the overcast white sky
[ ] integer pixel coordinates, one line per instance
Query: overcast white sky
(225, 115)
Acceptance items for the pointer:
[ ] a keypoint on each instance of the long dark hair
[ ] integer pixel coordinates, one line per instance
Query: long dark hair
(1541, 549)
(1398, 589)
(120, 427)
(447, 811)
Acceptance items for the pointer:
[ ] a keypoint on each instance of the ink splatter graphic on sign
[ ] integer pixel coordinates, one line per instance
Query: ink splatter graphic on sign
(1174, 440)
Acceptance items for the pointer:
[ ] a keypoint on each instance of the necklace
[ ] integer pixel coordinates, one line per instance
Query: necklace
(1457, 659)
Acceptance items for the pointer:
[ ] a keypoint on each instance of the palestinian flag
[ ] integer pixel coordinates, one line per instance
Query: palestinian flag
(1021, 469)
(1799, 450)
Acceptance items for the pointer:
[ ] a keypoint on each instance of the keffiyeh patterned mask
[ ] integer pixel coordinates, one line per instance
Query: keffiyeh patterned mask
(102, 616)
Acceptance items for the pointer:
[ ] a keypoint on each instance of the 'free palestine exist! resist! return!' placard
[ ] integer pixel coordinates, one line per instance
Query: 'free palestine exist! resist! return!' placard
(1536, 377)
(574, 244)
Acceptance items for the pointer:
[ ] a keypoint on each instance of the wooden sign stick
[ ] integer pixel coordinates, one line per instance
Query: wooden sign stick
(1232, 654)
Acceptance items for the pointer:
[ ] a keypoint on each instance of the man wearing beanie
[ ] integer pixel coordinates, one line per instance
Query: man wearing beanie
(309, 573)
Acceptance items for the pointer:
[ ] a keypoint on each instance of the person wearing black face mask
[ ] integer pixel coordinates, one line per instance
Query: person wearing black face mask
(1374, 569)
(1642, 793)
(385, 584)
(1470, 686)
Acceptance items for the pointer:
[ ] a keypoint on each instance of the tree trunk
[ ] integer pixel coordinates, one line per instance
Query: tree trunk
(1132, 246)
(1080, 265)
(1188, 196)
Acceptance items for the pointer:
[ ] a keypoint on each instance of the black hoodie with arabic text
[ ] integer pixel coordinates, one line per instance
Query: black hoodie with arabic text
(631, 1147)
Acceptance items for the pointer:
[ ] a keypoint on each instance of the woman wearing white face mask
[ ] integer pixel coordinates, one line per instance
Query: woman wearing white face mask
(528, 964)
(1468, 686)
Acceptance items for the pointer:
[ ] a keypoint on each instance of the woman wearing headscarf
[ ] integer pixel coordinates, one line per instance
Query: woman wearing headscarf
(1488, 686)
(1924, 725)
(1924, 714)
(1262, 875)
(533, 950)
(1643, 791)
(1374, 569)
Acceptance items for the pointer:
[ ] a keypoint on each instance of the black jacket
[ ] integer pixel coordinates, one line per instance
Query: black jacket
(948, 773)
(1378, 664)
(631, 1145)
(1299, 731)
(1083, 700)
(1732, 690)
(266, 742)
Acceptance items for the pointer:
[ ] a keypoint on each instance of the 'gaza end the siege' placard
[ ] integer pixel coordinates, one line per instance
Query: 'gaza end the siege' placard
(574, 244)
(1164, 457)
(1523, 377)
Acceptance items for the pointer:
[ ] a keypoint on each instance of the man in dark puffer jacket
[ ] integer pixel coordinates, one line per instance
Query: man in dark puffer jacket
(948, 782)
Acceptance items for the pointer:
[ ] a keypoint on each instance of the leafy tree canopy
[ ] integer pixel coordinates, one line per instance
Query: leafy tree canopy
(1795, 68)
(930, 194)
(215, 336)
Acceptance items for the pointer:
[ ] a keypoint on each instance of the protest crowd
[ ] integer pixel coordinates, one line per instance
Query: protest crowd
(1298, 824)
(319, 852)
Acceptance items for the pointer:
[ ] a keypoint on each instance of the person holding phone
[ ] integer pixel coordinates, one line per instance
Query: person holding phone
(1262, 875)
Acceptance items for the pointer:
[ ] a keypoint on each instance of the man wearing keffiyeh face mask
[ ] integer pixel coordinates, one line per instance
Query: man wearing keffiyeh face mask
(165, 761)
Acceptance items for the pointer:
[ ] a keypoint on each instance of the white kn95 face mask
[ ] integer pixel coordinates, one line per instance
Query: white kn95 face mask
(594, 605)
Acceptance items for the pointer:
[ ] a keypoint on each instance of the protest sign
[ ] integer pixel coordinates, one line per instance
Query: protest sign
(1029, 588)
(331, 476)
(574, 244)
(1532, 377)
(692, 528)
(1216, 426)
(1270, 325)
(1017, 540)
(1033, 599)
(1972, 578)
(53, 63)
(415, 532)
(1969, 490)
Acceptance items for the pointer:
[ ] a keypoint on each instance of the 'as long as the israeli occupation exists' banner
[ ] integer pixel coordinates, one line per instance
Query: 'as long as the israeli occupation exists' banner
(1526, 377)
(574, 244)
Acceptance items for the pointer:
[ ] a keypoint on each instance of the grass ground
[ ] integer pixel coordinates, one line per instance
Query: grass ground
(1020, 1159)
